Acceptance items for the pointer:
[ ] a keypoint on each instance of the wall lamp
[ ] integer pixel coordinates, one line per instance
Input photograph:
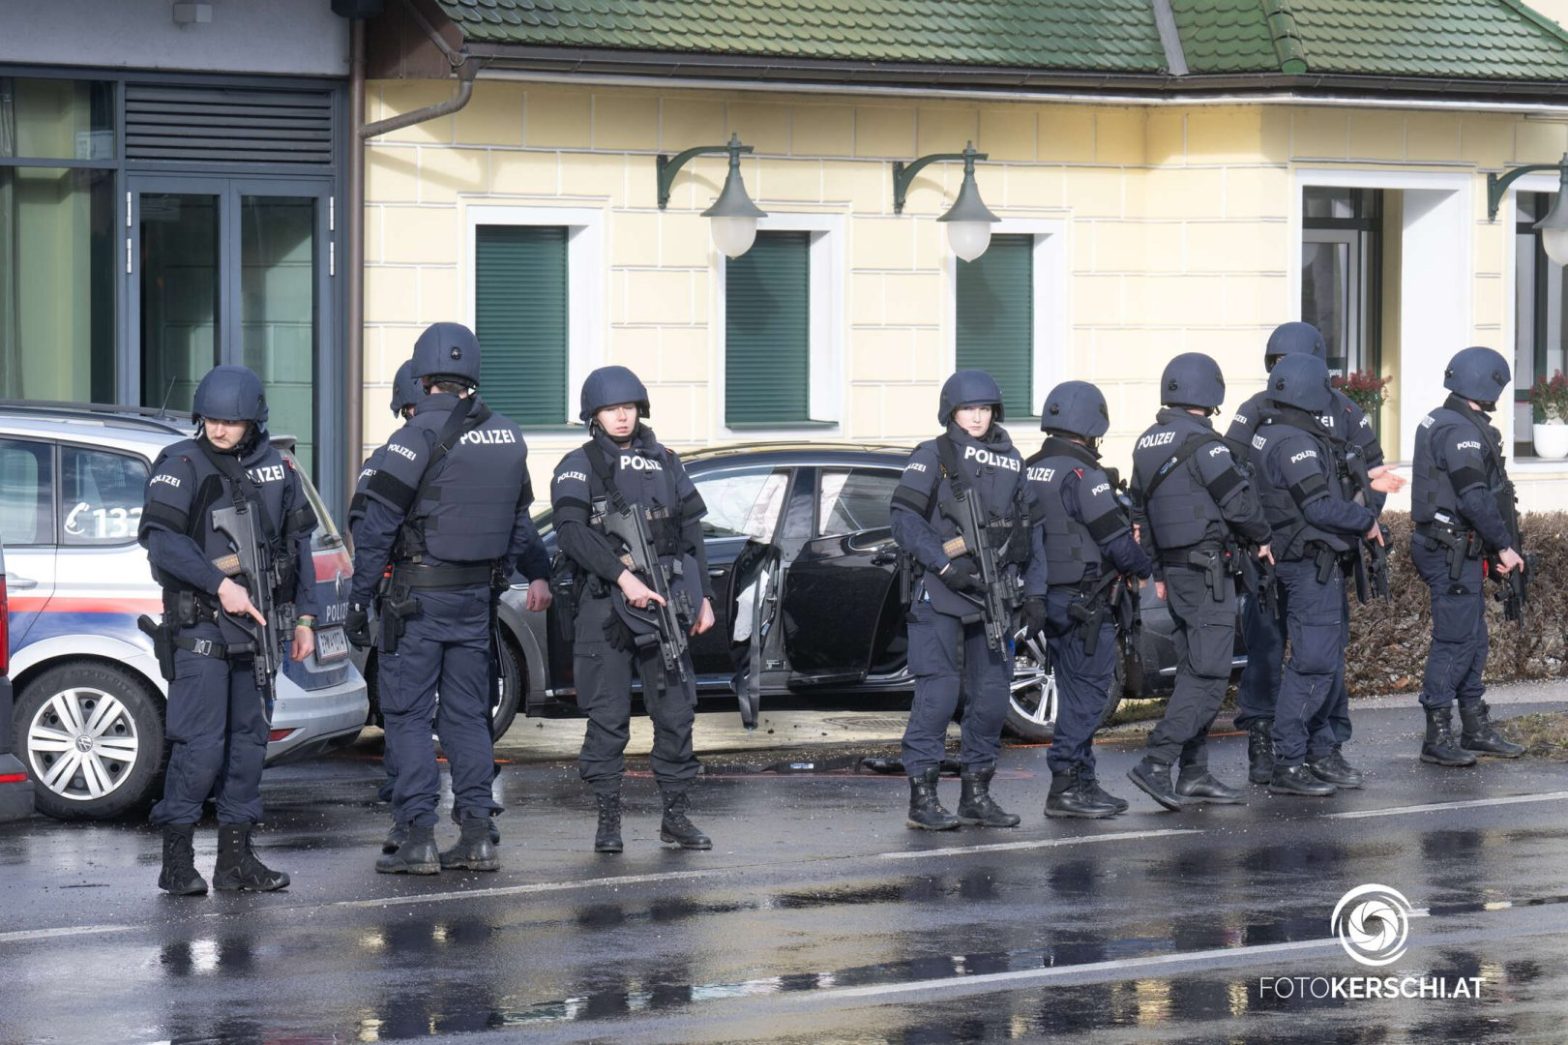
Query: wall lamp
(733, 215)
(1554, 227)
(969, 220)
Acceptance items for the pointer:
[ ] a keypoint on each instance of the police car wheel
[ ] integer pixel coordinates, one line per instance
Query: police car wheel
(1033, 701)
(509, 691)
(92, 740)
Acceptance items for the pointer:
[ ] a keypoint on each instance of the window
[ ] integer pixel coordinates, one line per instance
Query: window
(767, 332)
(1341, 233)
(855, 499)
(521, 305)
(101, 496)
(742, 503)
(26, 493)
(995, 319)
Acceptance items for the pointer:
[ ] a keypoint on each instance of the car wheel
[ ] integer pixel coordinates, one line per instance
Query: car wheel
(1033, 702)
(92, 739)
(509, 690)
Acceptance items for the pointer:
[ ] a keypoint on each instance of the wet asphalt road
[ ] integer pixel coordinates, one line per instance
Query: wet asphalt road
(817, 917)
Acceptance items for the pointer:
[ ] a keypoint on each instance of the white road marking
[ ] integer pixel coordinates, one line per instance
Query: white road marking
(1507, 800)
(1043, 843)
(537, 887)
(73, 930)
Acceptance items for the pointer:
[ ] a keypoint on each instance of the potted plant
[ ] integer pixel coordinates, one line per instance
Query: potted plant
(1365, 389)
(1549, 411)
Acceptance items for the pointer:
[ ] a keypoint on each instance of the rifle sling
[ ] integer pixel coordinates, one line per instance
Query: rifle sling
(1194, 442)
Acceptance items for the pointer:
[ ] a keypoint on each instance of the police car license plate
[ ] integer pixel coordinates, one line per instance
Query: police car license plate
(331, 644)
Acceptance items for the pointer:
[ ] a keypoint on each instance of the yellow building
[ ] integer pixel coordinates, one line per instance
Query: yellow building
(1170, 175)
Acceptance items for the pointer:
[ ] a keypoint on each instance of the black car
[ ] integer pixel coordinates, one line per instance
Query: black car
(808, 523)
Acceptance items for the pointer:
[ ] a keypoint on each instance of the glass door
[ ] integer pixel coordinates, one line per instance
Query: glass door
(234, 271)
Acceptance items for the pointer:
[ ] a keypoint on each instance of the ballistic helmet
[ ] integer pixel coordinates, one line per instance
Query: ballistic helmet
(608, 386)
(406, 390)
(1477, 373)
(447, 351)
(1192, 379)
(1301, 381)
(969, 388)
(1292, 338)
(1077, 408)
(230, 393)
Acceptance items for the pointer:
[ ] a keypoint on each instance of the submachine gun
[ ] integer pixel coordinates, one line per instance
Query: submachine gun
(1513, 587)
(975, 539)
(255, 566)
(1371, 565)
(629, 524)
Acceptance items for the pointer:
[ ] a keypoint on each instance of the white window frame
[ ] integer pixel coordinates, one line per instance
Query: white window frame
(825, 365)
(1508, 217)
(1052, 322)
(586, 273)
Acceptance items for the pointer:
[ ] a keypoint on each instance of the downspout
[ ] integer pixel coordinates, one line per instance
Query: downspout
(361, 132)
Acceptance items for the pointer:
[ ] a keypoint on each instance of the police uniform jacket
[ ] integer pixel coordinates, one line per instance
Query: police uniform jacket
(993, 468)
(1347, 426)
(1302, 496)
(176, 524)
(471, 509)
(1087, 527)
(1458, 472)
(1203, 497)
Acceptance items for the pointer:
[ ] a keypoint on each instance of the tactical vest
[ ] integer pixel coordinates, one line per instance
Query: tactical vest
(1001, 489)
(1292, 531)
(1432, 489)
(469, 499)
(1181, 512)
(1070, 548)
(642, 476)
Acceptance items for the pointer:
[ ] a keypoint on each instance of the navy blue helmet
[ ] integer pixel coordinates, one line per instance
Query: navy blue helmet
(609, 386)
(969, 388)
(1477, 373)
(406, 390)
(447, 350)
(230, 393)
(1293, 338)
(1192, 379)
(1301, 381)
(1077, 408)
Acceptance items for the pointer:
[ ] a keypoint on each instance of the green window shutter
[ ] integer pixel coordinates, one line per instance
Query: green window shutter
(996, 319)
(767, 332)
(520, 310)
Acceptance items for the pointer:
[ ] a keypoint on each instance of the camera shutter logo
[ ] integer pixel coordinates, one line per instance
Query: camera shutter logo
(1373, 924)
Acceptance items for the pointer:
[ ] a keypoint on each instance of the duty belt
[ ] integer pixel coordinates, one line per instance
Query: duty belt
(1207, 557)
(202, 647)
(426, 577)
(1327, 559)
(1458, 544)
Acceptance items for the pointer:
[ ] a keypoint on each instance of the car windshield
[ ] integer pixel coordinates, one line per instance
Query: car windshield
(326, 535)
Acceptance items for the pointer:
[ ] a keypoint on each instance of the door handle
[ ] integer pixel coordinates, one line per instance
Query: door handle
(884, 558)
(18, 582)
(716, 571)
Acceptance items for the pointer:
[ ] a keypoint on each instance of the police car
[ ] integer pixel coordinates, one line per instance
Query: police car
(806, 525)
(89, 698)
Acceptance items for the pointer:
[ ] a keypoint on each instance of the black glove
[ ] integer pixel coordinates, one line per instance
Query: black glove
(961, 576)
(617, 635)
(1035, 617)
(356, 625)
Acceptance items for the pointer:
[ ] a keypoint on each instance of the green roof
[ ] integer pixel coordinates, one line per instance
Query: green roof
(1485, 40)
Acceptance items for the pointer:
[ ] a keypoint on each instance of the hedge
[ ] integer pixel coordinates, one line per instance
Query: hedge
(1389, 640)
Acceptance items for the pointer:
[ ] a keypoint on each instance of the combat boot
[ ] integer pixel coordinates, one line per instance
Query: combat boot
(1439, 746)
(675, 827)
(395, 838)
(976, 807)
(1101, 796)
(1154, 779)
(607, 839)
(179, 875)
(495, 832)
(1260, 750)
(1071, 795)
(1480, 735)
(417, 854)
(474, 851)
(1298, 780)
(238, 866)
(1197, 784)
(925, 810)
(1334, 769)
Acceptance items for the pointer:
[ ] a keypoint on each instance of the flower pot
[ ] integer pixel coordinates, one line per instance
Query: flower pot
(1551, 441)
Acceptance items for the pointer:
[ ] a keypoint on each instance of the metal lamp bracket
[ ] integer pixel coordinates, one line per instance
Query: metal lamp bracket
(904, 173)
(1497, 185)
(668, 166)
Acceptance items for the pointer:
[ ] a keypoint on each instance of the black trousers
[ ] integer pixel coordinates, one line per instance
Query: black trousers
(1205, 644)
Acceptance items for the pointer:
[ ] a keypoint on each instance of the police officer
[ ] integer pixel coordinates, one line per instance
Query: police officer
(1460, 493)
(623, 464)
(448, 510)
(948, 647)
(1200, 516)
(1316, 526)
(534, 566)
(1089, 546)
(216, 720)
(1357, 449)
